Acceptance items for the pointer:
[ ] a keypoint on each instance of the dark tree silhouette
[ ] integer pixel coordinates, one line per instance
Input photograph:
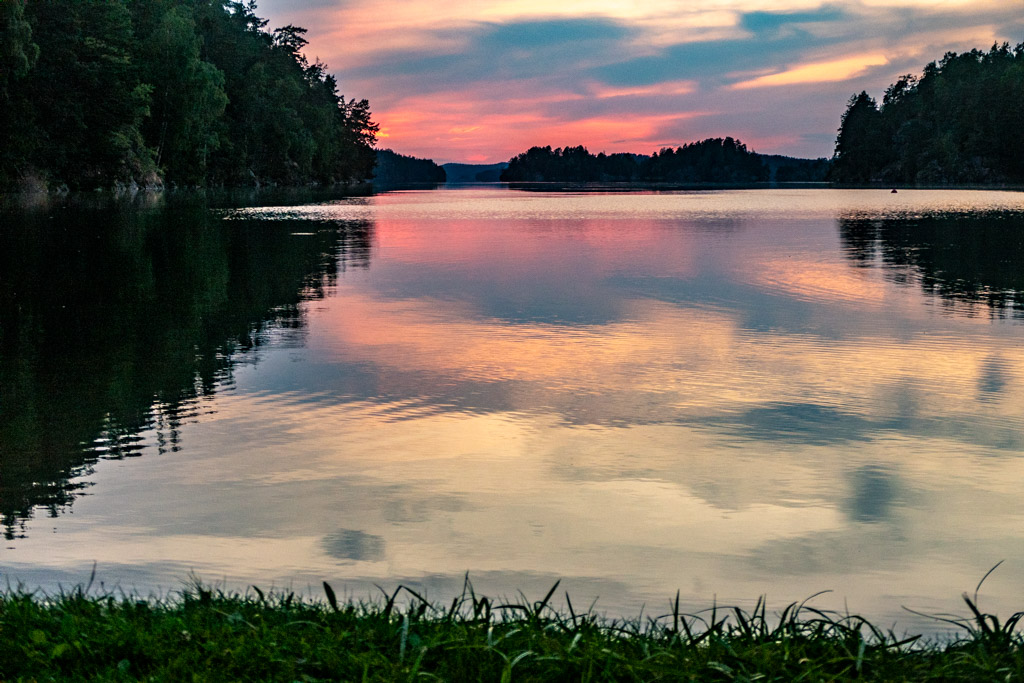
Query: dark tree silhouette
(715, 160)
(959, 122)
(114, 320)
(398, 169)
(859, 147)
(193, 91)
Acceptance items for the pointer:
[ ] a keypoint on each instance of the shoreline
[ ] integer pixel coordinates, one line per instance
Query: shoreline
(232, 195)
(81, 635)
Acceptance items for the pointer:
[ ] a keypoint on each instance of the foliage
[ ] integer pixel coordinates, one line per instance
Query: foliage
(474, 173)
(959, 122)
(83, 101)
(785, 169)
(213, 635)
(398, 169)
(570, 164)
(196, 91)
(18, 54)
(715, 160)
(188, 99)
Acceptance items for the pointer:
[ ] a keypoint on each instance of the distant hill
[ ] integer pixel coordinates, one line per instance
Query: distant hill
(397, 169)
(474, 173)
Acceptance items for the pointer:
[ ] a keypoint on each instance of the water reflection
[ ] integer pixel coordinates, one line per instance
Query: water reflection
(873, 493)
(993, 378)
(970, 259)
(116, 319)
(702, 391)
(354, 545)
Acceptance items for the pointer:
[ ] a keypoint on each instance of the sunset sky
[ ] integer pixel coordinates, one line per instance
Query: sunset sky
(481, 80)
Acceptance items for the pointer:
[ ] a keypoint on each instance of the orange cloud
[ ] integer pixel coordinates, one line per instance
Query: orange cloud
(819, 72)
(473, 123)
(481, 97)
(815, 281)
(602, 91)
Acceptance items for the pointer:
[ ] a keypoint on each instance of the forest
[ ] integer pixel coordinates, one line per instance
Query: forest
(959, 122)
(714, 160)
(200, 93)
(398, 169)
(169, 92)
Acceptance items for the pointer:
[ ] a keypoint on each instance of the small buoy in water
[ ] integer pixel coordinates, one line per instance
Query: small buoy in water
(893, 191)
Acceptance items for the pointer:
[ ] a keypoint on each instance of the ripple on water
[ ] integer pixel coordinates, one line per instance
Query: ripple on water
(726, 393)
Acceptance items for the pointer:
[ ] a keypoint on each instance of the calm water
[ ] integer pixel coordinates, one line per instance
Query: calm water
(728, 393)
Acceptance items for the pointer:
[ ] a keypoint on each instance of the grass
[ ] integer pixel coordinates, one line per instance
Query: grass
(204, 634)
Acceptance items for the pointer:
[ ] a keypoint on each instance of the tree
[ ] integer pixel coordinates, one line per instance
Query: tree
(859, 146)
(86, 99)
(188, 99)
(18, 54)
(198, 90)
(959, 122)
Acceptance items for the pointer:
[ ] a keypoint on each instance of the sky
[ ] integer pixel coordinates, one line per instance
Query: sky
(480, 81)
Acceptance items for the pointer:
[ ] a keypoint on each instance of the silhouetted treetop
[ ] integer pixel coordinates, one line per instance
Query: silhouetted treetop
(715, 160)
(959, 122)
(398, 169)
(192, 91)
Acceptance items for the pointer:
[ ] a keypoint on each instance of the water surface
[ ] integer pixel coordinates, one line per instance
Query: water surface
(729, 393)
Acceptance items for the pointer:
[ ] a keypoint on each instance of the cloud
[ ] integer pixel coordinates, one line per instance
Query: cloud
(603, 91)
(562, 34)
(470, 78)
(774, 22)
(836, 70)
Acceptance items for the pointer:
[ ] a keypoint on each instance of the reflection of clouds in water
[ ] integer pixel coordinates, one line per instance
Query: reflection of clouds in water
(571, 296)
(856, 548)
(400, 507)
(874, 493)
(897, 411)
(800, 423)
(354, 545)
(992, 379)
(872, 502)
(969, 259)
(633, 411)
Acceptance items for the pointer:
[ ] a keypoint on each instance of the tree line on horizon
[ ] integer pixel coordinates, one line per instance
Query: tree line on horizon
(191, 92)
(714, 160)
(959, 122)
(200, 93)
(398, 169)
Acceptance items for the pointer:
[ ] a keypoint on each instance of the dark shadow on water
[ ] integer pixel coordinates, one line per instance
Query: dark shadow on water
(821, 425)
(804, 423)
(873, 494)
(973, 262)
(993, 378)
(354, 546)
(119, 316)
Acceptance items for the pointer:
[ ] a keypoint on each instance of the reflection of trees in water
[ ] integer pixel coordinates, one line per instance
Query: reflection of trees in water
(114, 320)
(966, 259)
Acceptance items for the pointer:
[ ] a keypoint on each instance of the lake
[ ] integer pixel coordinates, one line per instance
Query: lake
(728, 393)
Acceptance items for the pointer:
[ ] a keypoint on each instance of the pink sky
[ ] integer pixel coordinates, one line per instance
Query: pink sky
(480, 81)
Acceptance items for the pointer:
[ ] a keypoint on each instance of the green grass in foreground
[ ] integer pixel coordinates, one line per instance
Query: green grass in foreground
(204, 634)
